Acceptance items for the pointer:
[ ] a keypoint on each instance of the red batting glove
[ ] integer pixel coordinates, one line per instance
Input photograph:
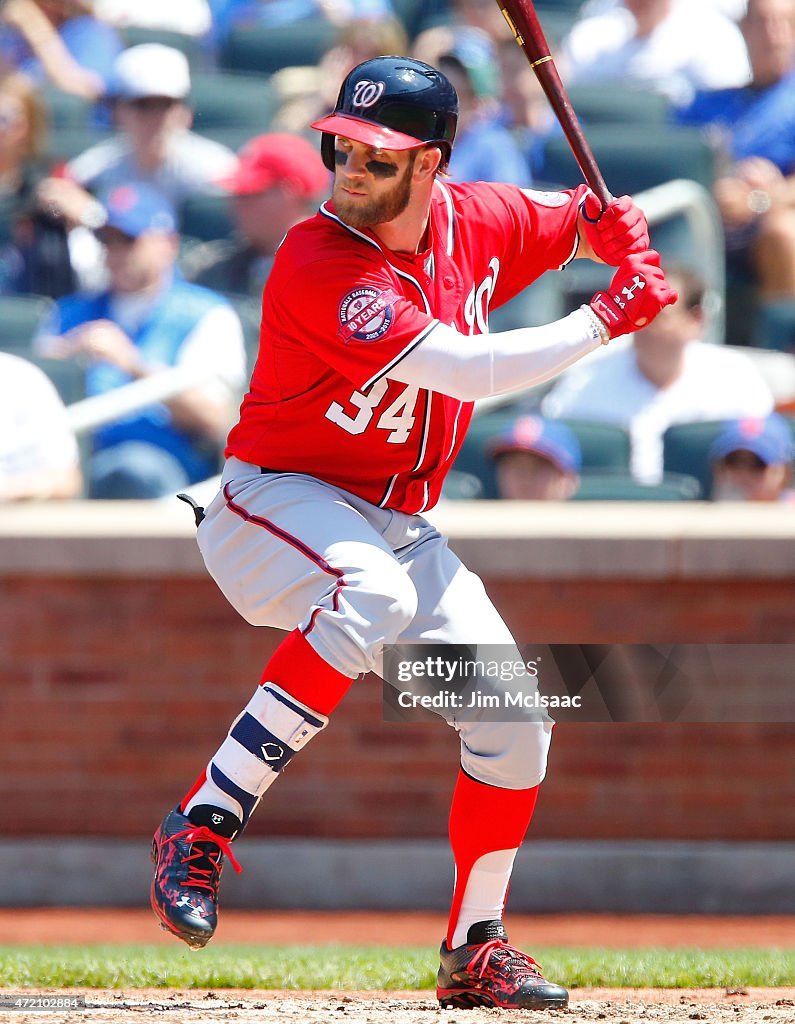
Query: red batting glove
(637, 293)
(617, 231)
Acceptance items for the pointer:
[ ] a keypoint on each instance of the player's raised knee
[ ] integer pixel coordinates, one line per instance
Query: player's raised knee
(396, 602)
(507, 755)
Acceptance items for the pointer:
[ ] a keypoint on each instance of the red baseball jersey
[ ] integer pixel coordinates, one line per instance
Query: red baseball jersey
(340, 311)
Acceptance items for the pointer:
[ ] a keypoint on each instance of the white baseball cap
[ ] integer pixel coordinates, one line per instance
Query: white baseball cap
(150, 69)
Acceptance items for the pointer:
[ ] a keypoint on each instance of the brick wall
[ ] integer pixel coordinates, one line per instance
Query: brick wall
(115, 691)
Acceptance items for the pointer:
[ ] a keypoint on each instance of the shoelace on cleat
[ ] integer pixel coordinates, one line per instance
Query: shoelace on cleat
(199, 877)
(523, 966)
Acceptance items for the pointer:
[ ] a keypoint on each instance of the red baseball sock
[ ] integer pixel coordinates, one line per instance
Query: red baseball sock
(301, 672)
(483, 820)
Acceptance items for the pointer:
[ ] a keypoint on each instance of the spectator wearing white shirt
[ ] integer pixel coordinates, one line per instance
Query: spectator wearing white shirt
(154, 147)
(734, 9)
(676, 47)
(154, 144)
(38, 451)
(662, 375)
(150, 319)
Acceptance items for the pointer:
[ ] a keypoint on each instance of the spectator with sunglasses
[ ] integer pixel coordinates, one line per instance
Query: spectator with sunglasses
(154, 144)
(147, 320)
(752, 461)
(662, 375)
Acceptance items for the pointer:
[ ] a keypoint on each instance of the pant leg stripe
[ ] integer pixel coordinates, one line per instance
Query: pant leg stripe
(288, 538)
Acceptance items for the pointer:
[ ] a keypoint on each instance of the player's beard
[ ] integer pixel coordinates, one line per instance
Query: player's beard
(367, 214)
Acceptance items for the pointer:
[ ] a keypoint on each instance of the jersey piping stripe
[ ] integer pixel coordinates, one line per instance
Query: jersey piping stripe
(455, 429)
(425, 429)
(423, 448)
(401, 355)
(388, 491)
(425, 432)
(294, 542)
(573, 253)
(425, 499)
(375, 245)
(450, 217)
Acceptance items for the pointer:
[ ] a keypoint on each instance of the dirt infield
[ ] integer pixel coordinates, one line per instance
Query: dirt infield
(614, 1006)
(58, 925)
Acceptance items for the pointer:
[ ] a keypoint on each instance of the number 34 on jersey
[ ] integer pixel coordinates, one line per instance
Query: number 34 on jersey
(397, 419)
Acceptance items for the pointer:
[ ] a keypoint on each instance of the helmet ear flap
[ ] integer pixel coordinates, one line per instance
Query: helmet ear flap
(327, 150)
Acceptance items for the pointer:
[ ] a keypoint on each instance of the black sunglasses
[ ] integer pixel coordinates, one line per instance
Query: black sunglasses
(158, 104)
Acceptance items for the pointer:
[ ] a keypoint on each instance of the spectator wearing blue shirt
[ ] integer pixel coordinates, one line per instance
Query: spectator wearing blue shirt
(756, 195)
(60, 41)
(150, 319)
(485, 149)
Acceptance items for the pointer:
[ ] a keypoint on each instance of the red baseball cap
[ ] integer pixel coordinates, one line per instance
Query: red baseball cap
(277, 159)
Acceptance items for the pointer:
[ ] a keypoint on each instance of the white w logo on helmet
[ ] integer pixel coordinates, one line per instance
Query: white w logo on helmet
(365, 94)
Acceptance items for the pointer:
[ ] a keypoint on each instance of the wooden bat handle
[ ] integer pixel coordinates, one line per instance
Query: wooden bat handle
(526, 28)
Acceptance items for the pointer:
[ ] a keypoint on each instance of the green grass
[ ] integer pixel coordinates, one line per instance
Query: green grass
(346, 967)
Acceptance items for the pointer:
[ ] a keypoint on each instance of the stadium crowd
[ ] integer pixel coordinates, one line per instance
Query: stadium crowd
(152, 156)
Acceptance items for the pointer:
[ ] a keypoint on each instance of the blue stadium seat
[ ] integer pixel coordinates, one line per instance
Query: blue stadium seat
(267, 48)
(68, 376)
(604, 446)
(460, 486)
(206, 217)
(65, 109)
(622, 487)
(20, 316)
(250, 312)
(775, 326)
(134, 35)
(686, 450)
(225, 99)
(634, 158)
(418, 15)
(557, 17)
(605, 104)
(71, 140)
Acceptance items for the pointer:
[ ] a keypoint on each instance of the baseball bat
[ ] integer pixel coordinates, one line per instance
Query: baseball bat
(526, 28)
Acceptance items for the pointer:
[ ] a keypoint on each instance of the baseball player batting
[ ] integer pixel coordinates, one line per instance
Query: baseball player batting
(374, 346)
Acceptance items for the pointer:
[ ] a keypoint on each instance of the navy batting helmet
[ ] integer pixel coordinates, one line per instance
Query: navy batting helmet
(392, 103)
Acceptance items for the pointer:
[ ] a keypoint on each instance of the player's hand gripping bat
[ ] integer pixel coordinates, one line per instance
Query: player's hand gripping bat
(523, 22)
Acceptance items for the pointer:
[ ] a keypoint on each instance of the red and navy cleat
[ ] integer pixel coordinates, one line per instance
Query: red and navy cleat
(188, 856)
(486, 971)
